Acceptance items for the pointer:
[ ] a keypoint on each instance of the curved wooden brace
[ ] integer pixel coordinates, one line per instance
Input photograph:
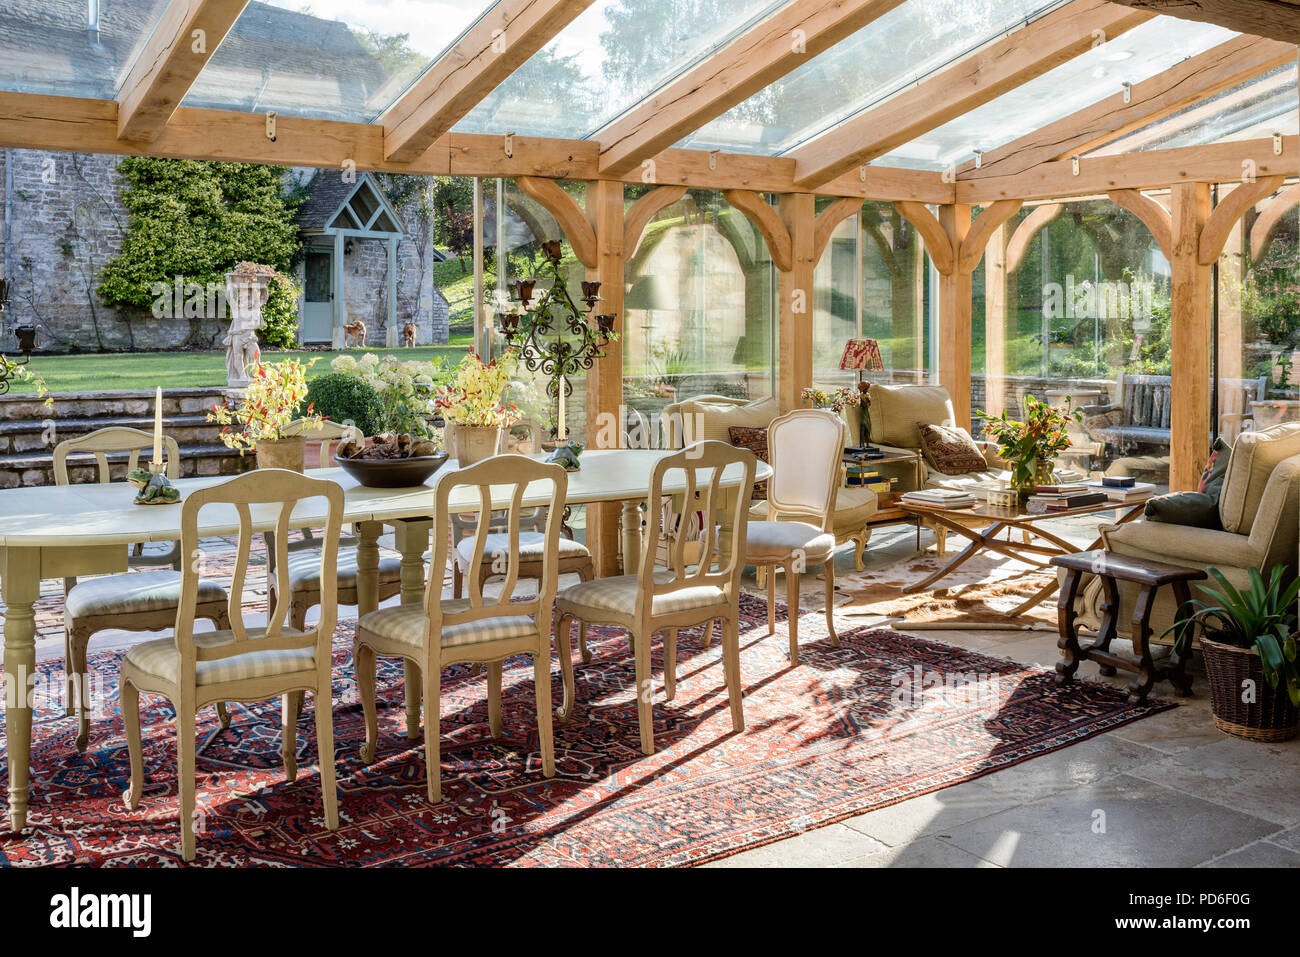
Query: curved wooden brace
(1261, 234)
(937, 242)
(829, 219)
(567, 213)
(1027, 231)
(1154, 216)
(768, 223)
(982, 230)
(642, 211)
(1229, 211)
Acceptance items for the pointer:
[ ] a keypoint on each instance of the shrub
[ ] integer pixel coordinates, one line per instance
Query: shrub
(346, 398)
(280, 314)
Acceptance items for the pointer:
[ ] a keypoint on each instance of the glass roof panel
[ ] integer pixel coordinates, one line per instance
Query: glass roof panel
(884, 57)
(329, 59)
(72, 47)
(1131, 57)
(614, 54)
(1266, 105)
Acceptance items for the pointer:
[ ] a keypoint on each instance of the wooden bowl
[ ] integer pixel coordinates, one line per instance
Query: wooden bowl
(393, 473)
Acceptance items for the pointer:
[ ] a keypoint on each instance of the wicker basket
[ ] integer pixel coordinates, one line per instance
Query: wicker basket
(1271, 717)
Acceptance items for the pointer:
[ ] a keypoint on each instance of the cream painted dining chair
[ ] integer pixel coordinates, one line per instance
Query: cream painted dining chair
(478, 629)
(805, 448)
(680, 595)
(241, 663)
(137, 601)
(304, 554)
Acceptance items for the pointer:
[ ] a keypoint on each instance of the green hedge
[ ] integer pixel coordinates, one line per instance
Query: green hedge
(345, 398)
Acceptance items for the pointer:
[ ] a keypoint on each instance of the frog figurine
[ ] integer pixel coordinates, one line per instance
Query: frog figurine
(155, 488)
(566, 456)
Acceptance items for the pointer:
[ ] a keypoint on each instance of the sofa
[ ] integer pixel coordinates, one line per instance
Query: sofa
(711, 417)
(1259, 508)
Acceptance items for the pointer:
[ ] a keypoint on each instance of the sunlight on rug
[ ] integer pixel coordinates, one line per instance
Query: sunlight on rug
(882, 718)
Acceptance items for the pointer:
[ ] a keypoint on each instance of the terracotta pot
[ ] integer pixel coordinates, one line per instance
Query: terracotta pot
(474, 443)
(282, 453)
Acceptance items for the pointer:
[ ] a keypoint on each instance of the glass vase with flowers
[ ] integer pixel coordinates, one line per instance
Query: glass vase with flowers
(1032, 446)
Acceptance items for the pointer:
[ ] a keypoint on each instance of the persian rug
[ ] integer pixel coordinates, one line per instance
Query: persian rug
(981, 591)
(882, 718)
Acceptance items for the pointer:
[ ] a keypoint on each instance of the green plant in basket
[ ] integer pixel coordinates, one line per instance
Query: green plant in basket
(1261, 618)
(1040, 438)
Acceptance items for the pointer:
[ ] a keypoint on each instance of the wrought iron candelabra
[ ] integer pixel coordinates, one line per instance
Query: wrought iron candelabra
(26, 343)
(553, 334)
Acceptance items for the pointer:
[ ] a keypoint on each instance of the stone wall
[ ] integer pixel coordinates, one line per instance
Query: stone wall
(65, 221)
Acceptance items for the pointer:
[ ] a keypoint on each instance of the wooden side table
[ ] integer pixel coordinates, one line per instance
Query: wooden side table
(1150, 577)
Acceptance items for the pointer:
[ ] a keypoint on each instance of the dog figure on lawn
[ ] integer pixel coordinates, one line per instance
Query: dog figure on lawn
(408, 335)
(355, 332)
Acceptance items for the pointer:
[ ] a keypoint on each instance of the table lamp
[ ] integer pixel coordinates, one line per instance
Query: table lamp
(860, 355)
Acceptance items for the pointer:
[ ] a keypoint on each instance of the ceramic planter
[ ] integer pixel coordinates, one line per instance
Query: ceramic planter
(282, 453)
(472, 444)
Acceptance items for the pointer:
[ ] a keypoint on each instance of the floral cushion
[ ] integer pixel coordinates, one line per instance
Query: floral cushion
(950, 449)
(751, 440)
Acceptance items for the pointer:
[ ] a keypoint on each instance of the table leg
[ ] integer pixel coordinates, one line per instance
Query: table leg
(412, 539)
(632, 544)
(22, 587)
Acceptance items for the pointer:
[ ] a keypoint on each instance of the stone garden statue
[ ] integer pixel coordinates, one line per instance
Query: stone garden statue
(246, 294)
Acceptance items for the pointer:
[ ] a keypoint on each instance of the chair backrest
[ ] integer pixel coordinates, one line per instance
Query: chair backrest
(536, 435)
(261, 499)
(104, 442)
(499, 479)
(805, 448)
(326, 433)
(704, 465)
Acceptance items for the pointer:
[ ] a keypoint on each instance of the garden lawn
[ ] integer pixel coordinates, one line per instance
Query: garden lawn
(186, 370)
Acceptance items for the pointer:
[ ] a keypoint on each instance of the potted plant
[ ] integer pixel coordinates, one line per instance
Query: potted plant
(1248, 641)
(260, 422)
(1031, 446)
(473, 406)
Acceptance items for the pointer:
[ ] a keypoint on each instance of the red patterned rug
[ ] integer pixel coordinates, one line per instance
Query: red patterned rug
(882, 718)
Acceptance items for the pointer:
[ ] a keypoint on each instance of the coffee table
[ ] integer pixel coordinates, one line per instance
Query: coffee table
(982, 524)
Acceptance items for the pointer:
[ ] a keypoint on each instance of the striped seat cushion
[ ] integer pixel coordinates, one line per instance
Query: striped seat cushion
(304, 570)
(530, 548)
(618, 596)
(779, 541)
(136, 593)
(404, 625)
(161, 659)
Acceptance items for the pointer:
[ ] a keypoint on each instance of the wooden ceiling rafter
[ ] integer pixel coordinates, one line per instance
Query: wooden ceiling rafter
(1277, 19)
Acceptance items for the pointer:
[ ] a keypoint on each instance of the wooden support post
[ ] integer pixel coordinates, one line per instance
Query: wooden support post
(1232, 279)
(1190, 336)
(795, 313)
(955, 318)
(604, 209)
(995, 321)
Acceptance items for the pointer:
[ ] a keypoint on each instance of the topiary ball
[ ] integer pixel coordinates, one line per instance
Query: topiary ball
(345, 398)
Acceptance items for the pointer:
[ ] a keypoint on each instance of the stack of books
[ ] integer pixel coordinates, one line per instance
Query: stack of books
(862, 476)
(1123, 494)
(945, 497)
(1061, 498)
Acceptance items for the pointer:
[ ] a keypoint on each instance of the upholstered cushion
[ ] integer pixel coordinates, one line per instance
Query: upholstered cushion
(778, 541)
(950, 449)
(853, 508)
(752, 440)
(304, 570)
(712, 420)
(1184, 508)
(1216, 469)
(404, 625)
(531, 545)
(602, 596)
(160, 658)
(895, 410)
(134, 594)
(1254, 456)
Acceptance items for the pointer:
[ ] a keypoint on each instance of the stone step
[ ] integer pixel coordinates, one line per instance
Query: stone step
(23, 469)
(110, 402)
(30, 436)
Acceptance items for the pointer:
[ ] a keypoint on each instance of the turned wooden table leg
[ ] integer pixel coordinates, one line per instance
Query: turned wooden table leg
(22, 587)
(412, 539)
(1067, 623)
(631, 523)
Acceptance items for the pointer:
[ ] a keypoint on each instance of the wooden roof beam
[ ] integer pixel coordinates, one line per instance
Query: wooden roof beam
(498, 44)
(975, 80)
(187, 34)
(750, 62)
(1278, 19)
(1197, 78)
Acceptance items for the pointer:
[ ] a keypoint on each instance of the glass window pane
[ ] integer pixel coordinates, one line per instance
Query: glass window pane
(1131, 57)
(882, 58)
(69, 49)
(330, 59)
(613, 55)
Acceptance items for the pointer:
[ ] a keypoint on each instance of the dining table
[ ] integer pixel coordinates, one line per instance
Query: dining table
(56, 532)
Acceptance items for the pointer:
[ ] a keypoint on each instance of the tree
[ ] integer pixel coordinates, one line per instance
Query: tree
(195, 220)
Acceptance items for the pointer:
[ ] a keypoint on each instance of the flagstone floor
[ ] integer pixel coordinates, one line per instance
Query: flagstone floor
(1168, 790)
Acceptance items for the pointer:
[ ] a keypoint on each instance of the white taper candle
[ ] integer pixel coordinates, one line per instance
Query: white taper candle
(157, 428)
